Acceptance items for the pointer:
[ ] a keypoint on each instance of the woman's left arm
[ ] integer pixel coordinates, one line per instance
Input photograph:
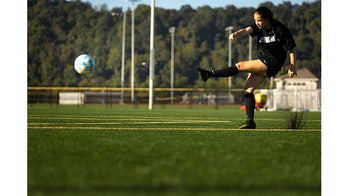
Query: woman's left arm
(292, 69)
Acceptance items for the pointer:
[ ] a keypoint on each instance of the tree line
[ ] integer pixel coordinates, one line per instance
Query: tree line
(59, 31)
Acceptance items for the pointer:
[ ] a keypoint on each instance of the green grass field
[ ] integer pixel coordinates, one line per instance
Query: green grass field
(172, 150)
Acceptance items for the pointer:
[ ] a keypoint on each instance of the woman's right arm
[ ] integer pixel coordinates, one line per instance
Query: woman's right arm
(241, 33)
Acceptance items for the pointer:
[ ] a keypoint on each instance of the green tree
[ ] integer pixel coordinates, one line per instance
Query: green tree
(59, 31)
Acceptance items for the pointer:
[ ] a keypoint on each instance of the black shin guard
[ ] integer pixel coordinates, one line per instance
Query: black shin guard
(249, 105)
(225, 72)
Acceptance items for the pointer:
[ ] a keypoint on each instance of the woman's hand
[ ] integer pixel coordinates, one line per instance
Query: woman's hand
(232, 36)
(292, 71)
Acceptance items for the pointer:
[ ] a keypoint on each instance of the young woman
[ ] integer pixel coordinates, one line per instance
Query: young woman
(274, 40)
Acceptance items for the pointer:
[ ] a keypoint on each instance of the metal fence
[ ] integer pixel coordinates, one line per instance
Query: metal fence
(96, 95)
(295, 100)
(308, 100)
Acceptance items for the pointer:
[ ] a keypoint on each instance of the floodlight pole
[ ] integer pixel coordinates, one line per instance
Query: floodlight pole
(229, 29)
(250, 47)
(152, 56)
(132, 60)
(132, 53)
(172, 31)
(123, 54)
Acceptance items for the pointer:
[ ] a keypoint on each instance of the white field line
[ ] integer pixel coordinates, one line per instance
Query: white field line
(92, 123)
(147, 119)
(98, 117)
(166, 129)
(132, 123)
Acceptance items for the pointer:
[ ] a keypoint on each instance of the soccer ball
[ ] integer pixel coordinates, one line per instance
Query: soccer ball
(84, 64)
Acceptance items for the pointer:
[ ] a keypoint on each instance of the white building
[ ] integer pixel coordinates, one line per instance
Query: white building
(304, 80)
(298, 93)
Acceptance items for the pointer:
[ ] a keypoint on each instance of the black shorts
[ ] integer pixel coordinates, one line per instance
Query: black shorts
(273, 65)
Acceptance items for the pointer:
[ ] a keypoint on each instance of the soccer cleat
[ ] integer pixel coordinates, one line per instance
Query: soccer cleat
(249, 124)
(205, 74)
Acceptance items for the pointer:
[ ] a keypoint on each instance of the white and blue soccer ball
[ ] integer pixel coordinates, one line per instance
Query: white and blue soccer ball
(84, 64)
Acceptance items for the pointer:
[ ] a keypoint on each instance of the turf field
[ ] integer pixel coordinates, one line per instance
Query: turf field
(171, 150)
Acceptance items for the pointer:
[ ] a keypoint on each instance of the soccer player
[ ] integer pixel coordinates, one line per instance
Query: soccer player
(274, 42)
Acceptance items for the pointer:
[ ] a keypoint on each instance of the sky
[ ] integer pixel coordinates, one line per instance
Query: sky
(176, 4)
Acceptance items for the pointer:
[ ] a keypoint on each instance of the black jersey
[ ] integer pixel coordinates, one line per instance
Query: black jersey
(273, 43)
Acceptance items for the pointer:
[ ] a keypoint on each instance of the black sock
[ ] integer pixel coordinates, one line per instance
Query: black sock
(225, 72)
(249, 105)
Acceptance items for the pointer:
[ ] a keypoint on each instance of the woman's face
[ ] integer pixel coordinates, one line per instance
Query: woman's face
(260, 22)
